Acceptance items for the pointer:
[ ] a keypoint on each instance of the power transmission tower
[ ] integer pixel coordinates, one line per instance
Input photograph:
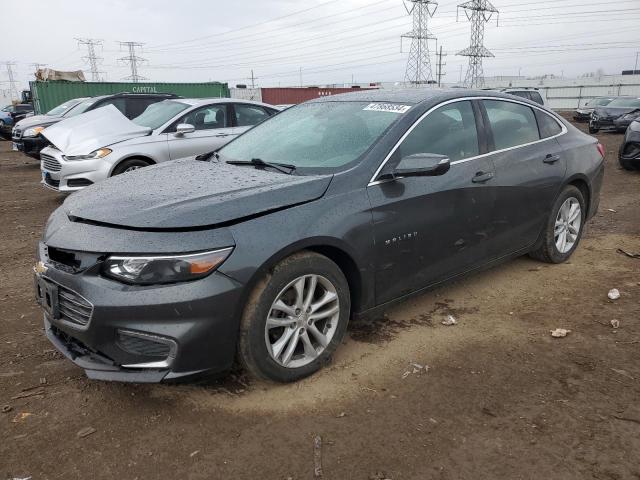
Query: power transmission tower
(419, 62)
(13, 88)
(133, 61)
(478, 12)
(92, 59)
(440, 65)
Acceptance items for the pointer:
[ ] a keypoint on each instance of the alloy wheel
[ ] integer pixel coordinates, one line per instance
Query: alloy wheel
(302, 321)
(568, 223)
(132, 168)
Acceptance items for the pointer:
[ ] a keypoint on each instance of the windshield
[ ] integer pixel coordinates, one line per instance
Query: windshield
(157, 114)
(323, 135)
(62, 108)
(80, 107)
(601, 102)
(625, 103)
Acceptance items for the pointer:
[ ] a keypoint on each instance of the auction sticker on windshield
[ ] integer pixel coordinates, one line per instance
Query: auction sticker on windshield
(387, 107)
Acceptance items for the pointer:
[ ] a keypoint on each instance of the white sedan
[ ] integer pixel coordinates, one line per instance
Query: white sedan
(102, 143)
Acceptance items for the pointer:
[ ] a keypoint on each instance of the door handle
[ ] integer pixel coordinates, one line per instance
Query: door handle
(551, 158)
(482, 177)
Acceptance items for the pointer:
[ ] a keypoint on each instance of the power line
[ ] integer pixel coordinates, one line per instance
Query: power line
(418, 69)
(13, 83)
(133, 60)
(478, 12)
(91, 57)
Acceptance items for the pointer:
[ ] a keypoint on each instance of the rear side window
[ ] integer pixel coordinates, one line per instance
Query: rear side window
(548, 126)
(247, 115)
(521, 94)
(536, 97)
(512, 124)
(450, 130)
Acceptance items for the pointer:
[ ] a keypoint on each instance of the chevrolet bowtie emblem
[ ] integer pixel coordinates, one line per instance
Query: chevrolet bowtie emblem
(40, 267)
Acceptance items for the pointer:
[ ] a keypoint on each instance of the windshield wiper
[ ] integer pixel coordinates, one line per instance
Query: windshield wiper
(258, 162)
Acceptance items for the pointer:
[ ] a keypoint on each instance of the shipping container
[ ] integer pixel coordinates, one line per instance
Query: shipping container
(47, 95)
(294, 95)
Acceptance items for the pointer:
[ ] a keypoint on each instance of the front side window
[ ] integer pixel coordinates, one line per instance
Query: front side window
(512, 124)
(207, 118)
(247, 115)
(318, 136)
(119, 103)
(450, 130)
(63, 108)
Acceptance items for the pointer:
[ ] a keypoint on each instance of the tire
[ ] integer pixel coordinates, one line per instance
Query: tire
(627, 165)
(593, 130)
(257, 344)
(129, 165)
(549, 251)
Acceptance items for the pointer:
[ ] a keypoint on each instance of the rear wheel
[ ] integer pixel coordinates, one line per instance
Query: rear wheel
(564, 227)
(295, 318)
(129, 165)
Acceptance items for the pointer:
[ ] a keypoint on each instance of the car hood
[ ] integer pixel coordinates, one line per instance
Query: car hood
(190, 194)
(613, 111)
(37, 120)
(85, 133)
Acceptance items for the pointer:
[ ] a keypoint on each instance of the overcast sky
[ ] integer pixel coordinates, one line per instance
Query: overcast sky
(331, 41)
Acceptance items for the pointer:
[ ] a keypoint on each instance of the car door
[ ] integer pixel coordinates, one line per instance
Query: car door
(427, 229)
(246, 115)
(530, 168)
(212, 130)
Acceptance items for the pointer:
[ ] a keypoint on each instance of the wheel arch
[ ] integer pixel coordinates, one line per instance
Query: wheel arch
(147, 159)
(581, 182)
(332, 248)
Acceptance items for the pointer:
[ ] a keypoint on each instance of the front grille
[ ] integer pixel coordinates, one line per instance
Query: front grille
(73, 308)
(141, 344)
(50, 163)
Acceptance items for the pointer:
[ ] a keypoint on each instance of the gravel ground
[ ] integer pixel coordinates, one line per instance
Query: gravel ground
(500, 399)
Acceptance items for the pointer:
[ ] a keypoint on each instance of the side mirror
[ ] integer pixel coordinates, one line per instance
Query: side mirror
(422, 165)
(183, 128)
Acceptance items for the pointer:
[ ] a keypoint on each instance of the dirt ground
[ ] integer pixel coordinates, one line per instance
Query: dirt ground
(501, 398)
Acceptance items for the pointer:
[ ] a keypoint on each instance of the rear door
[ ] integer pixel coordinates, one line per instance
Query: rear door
(212, 130)
(530, 168)
(427, 229)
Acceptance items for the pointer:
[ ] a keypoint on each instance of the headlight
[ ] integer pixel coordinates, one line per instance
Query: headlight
(149, 270)
(100, 153)
(32, 132)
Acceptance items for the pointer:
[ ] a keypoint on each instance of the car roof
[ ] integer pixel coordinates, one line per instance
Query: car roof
(208, 101)
(413, 96)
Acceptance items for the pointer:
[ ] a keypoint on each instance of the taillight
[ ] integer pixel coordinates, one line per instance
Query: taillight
(600, 148)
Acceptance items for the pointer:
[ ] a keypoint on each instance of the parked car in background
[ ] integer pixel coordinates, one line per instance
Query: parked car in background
(629, 154)
(26, 135)
(583, 114)
(335, 208)
(529, 93)
(103, 143)
(616, 116)
(11, 114)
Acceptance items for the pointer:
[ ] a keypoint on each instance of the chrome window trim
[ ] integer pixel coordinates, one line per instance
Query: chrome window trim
(373, 180)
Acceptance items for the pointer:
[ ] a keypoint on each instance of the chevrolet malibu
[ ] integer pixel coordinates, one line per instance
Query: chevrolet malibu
(263, 250)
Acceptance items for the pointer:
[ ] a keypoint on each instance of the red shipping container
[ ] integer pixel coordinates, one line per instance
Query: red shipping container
(294, 95)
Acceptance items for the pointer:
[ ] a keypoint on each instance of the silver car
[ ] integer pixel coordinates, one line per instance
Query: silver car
(102, 143)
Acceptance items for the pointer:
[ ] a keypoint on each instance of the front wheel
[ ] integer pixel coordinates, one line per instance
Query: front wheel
(129, 166)
(564, 227)
(592, 128)
(294, 319)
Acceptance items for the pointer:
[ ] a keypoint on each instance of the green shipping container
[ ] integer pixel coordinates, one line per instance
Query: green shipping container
(48, 95)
